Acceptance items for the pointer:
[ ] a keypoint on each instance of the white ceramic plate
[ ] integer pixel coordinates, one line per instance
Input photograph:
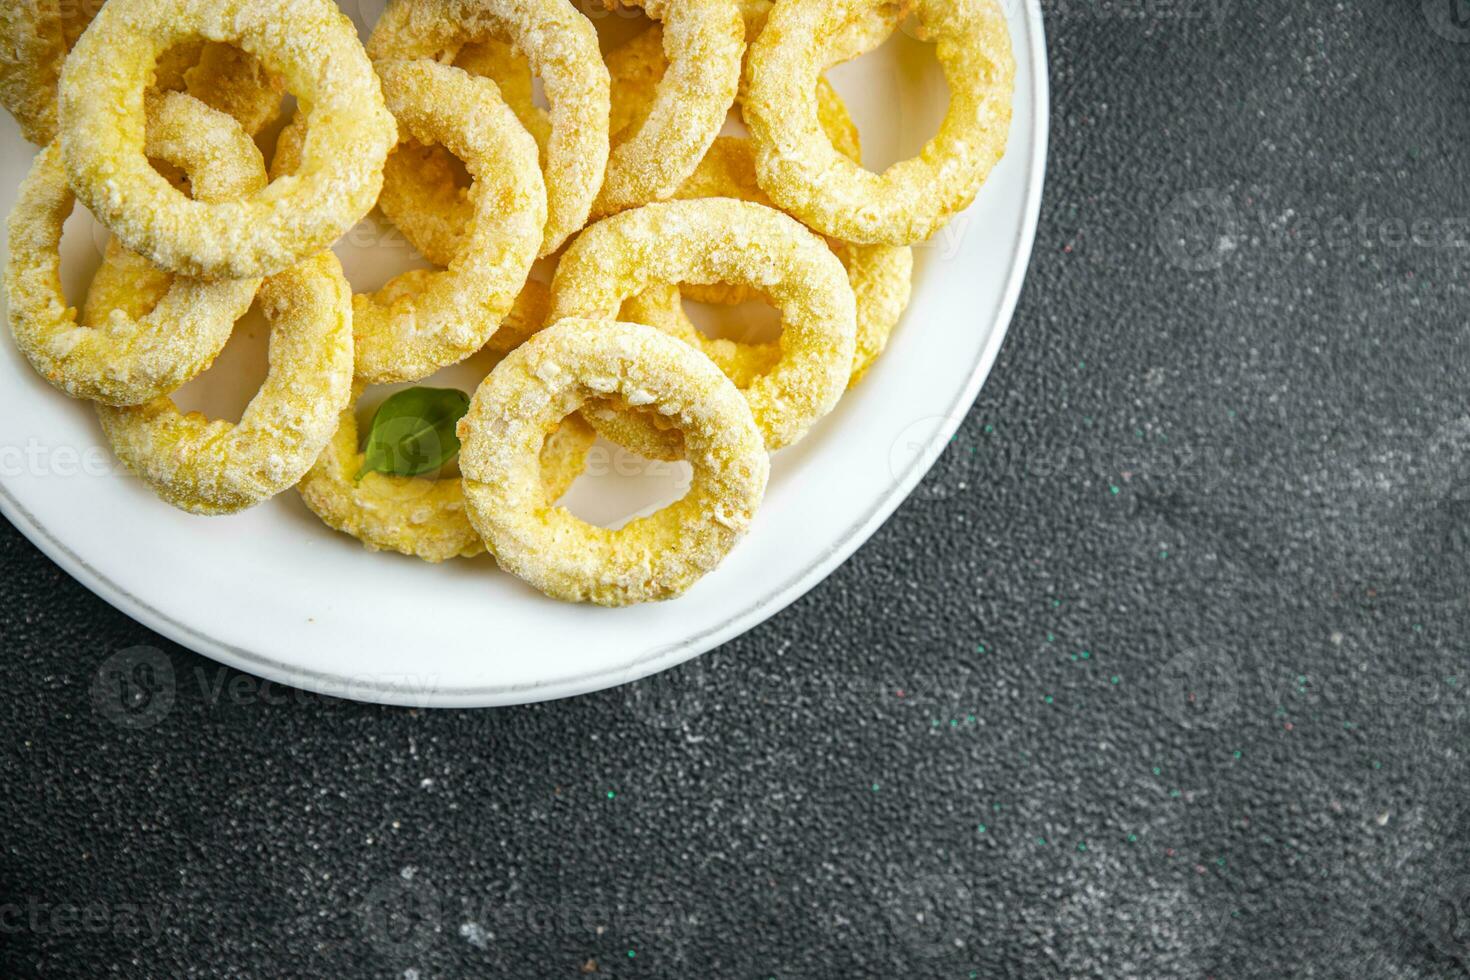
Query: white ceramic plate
(276, 593)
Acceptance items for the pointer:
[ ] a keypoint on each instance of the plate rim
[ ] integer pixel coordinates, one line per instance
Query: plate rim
(670, 655)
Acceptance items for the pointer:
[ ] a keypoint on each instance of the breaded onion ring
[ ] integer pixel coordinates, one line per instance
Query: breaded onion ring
(655, 557)
(35, 36)
(723, 240)
(32, 49)
(703, 42)
(881, 277)
(313, 45)
(420, 516)
(806, 176)
(638, 65)
(561, 46)
(868, 28)
(130, 358)
(420, 195)
(214, 467)
(420, 323)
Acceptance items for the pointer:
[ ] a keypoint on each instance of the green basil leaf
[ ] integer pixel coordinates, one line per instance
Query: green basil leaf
(413, 432)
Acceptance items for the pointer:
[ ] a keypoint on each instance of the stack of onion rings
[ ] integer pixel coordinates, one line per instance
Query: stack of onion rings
(150, 123)
(130, 358)
(313, 46)
(713, 241)
(806, 176)
(422, 322)
(214, 467)
(553, 375)
(561, 47)
(419, 516)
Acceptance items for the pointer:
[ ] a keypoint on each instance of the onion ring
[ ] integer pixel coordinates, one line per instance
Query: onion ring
(561, 46)
(653, 558)
(420, 517)
(635, 68)
(914, 198)
(36, 35)
(704, 41)
(420, 194)
(313, 45)
(867, 29)
(638, 65)
(130, 357)
(214, 467)
(32, 49)
(410, 329)
(722, 240)
(881, 277)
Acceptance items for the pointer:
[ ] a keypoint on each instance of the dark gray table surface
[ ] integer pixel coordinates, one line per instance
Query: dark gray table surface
(1162, 673)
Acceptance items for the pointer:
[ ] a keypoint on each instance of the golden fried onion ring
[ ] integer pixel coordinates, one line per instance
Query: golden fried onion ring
(130, 359)
(409, 329)
(313, 46)
(214, 467)
(419, 516)
(806, 176)
(723, 240)
(653, 558)
(561, 46)
(703, 42)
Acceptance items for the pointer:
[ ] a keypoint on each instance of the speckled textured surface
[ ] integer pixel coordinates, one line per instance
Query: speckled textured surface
(1280, 399)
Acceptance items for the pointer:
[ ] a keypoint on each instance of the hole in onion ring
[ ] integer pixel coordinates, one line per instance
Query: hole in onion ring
(538, 94)
(755, 321)
(897, 109)
(83, 241)
(619, 486)
(226, 388)
(374, 252)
